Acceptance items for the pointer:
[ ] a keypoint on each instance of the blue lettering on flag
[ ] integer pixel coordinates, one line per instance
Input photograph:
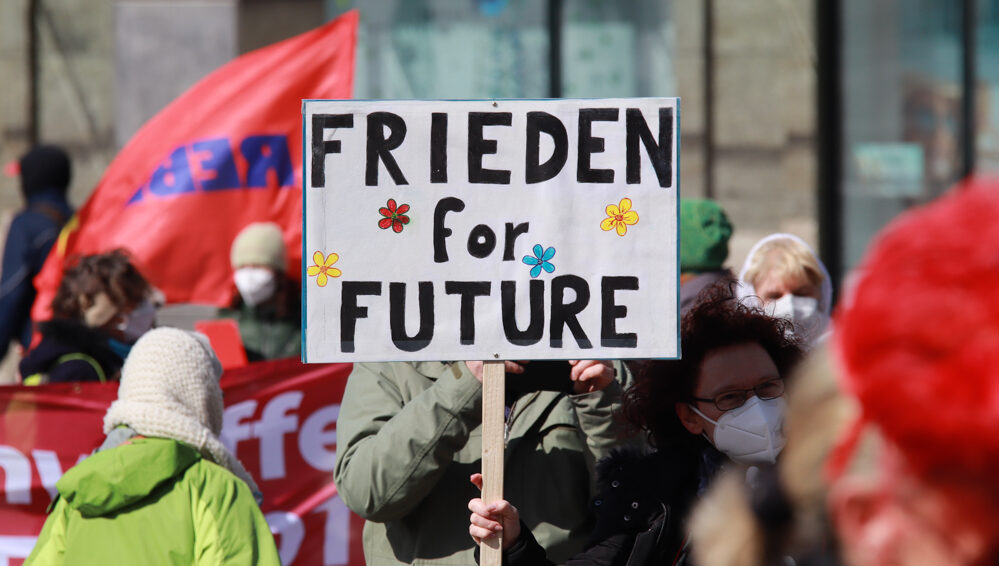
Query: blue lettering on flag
(217, 160)
(267, 158)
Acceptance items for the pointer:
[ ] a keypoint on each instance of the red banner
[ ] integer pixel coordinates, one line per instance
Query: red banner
(280, 419)
(226, 153)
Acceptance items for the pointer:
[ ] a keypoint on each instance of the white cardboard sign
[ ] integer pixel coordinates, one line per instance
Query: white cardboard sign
(506, 229)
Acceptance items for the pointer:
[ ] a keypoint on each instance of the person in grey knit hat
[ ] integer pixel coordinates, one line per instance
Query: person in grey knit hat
(162, 459)
(265, 304)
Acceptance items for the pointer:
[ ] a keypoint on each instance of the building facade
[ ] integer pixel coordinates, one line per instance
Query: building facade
(822, 118)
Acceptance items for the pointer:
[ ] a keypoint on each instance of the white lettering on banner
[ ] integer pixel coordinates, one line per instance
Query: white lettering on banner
(17, 473)
(316, 444)
(17, 476)
(15, 547)
(271, 428)
(336, 539)
(314, 438)
(289, 531)
(232, 430)
(49, 469)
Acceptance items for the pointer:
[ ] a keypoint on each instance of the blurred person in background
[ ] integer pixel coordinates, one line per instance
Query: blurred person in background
(266, 304)
(719, 407)
(704, 234)
(162, 489)
(103, 305)
(918, 344)
(901, 454)
(783, 517)
(45, 173)
(784, 274)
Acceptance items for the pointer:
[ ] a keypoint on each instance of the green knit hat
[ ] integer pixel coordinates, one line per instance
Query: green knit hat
(704, 234)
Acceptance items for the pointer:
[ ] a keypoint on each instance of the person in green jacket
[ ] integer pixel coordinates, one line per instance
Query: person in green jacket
(409, 439)
(163, 489)
(266, 304)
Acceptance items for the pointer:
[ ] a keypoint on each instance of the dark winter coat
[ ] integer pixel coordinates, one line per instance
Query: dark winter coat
(71, 351)
(642, 509)
(32, 234)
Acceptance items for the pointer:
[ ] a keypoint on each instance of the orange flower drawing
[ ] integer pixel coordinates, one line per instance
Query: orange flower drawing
(323, 268)
(619, 217)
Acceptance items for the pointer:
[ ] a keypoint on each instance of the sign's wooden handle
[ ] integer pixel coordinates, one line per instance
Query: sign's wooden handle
(493, 387)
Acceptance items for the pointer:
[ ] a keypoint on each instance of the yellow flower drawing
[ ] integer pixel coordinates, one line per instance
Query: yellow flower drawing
(323, 268)
(619, 216)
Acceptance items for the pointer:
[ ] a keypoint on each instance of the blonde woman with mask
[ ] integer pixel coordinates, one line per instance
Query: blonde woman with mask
(783, 275)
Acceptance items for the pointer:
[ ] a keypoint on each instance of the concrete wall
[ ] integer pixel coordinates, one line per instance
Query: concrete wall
(162, 48)
(107, 66)
(764, 115)
(76, 106)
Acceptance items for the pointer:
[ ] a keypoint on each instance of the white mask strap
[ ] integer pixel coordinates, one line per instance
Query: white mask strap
(703, 416)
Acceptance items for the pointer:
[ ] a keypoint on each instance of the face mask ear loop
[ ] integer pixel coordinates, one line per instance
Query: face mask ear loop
(703, 416)
(707, 418)
(124, 322)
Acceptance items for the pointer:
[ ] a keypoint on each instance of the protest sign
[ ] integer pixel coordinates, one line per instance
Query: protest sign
(506, 229)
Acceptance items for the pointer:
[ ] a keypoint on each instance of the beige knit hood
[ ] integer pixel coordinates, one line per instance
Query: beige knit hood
(170, 389)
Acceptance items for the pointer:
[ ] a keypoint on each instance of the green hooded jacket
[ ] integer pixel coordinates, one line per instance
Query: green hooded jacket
(409, 436)
(153, 501)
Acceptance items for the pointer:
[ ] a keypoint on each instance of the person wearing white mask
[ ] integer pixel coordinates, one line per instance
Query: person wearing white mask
(102, 307)
(265, 302)
(721, 406)
(784, 276)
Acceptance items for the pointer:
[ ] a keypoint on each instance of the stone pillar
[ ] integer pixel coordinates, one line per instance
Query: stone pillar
(164, 47)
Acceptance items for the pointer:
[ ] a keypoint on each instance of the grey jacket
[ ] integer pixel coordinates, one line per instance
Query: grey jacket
(409, 437)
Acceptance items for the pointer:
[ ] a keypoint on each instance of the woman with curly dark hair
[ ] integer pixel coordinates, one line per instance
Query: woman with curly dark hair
(719, 406)
(102, 306)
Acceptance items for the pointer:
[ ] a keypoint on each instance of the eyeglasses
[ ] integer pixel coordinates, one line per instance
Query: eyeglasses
(736, 398)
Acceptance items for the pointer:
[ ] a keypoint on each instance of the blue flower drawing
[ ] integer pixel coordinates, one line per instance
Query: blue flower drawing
(540, 260)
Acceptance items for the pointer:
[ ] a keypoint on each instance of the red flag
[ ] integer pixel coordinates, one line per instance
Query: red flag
(226, 153)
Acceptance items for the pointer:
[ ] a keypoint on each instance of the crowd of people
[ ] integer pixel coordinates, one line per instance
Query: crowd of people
(776, 438)
(104, 303)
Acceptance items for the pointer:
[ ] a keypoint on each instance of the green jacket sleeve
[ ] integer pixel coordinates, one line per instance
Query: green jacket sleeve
(51, 545)
(229, 527)
(396, 440)
(599, 419)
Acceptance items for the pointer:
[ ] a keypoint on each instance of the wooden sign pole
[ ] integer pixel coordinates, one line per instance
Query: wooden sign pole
(493, 389)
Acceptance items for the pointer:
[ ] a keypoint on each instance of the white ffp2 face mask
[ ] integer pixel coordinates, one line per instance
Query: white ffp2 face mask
(751, 434)
(804, 312)
(255, 284)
